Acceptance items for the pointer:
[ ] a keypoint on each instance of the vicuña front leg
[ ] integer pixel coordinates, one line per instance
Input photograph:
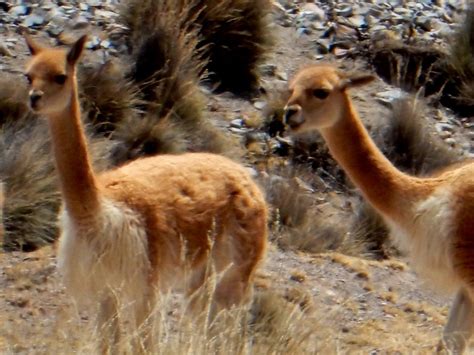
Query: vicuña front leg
(460, 326)
(108, 328)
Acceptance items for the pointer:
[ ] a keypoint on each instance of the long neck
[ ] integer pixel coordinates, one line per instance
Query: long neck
(386, 188)
(76, 175)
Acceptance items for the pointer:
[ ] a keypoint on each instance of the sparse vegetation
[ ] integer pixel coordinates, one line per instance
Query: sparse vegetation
(232, 35)
(166, 67)
(326, 285)
(108, 98)
(444, 75)
(410, 145)
(298, 224)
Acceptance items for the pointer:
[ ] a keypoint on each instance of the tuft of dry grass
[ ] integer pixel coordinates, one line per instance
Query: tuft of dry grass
(410, 145)
(231, 35)
(31, 196)
(368, 235)
(144, 137)
(108, 98)
(460, 61)
(166, 67)
(274, 112)
(235, 36)
(297, 224)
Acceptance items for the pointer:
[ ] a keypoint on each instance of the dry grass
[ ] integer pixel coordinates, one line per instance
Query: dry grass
(410, 145)
(297, 223)
(461, 60)
(446, 76)
(368, 235)
(232, 36)
(235, 36)
(166, 67)
(107, 96)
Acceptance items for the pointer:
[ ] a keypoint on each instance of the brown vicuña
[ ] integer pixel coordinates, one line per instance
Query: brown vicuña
(143, 227)
(432, 218)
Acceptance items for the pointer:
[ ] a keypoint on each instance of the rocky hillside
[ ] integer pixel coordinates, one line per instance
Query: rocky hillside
(332, 282)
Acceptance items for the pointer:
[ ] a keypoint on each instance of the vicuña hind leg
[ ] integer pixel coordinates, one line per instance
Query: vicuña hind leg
(234, 288)
(460, 326)
(142, 342)
(108, 327)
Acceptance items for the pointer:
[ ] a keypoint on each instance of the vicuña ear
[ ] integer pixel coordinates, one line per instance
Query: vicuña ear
(76, 50)
(32, 45)
(356, 80)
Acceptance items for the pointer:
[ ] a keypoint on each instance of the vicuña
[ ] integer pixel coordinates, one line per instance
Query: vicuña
(131, 232)
(433, 218)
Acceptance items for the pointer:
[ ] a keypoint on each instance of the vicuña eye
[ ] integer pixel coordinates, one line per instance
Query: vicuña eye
(320, 93)
(28, 78)
(60, 79)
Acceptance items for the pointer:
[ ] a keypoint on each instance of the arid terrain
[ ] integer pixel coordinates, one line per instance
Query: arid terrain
(332, 282)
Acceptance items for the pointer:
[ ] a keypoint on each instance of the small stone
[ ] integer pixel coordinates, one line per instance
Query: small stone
(389, 96)
(259, 105)
(358, 21)
(445, 134)
(268, 69)
(4, 51)
(105, 44)
(84, 6)
(451, 141)
(253, 173)
(312, 12)
(19, 10)
(444, 127)
(105, 14)
(238, 130)
(93, 43)
(340, 52)
(53, 30)
(303, 31)
(345, 11)
(424, 23)
(236, 123)
(94, 3)
(322, 46)
(33, 20)
(80, 23)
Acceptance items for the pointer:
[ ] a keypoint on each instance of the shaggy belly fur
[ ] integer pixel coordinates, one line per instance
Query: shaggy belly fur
(429, 241)
(116, 258)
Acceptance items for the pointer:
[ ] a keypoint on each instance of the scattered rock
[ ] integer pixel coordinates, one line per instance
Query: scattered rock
(259, 105)
(4, 51)
(33, 20)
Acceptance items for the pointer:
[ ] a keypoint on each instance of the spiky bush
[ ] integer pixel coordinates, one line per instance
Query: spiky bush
(107, 96)
(297, 224)
(408, 142)
(233, 34)
(166, 67)
(461, 59)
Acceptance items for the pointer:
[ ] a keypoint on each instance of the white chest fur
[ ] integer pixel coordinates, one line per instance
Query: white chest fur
(110, 253)
(428, 240)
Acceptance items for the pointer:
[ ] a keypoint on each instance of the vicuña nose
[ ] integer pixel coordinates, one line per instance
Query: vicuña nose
(293, 117)
(35, 97)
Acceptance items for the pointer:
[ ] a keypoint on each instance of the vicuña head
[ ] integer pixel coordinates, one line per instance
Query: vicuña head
(51, 75)
(149, 225)
(433, 218)
(315, 96)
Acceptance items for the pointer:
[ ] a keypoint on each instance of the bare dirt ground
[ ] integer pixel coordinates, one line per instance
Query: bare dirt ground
(354, 305)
